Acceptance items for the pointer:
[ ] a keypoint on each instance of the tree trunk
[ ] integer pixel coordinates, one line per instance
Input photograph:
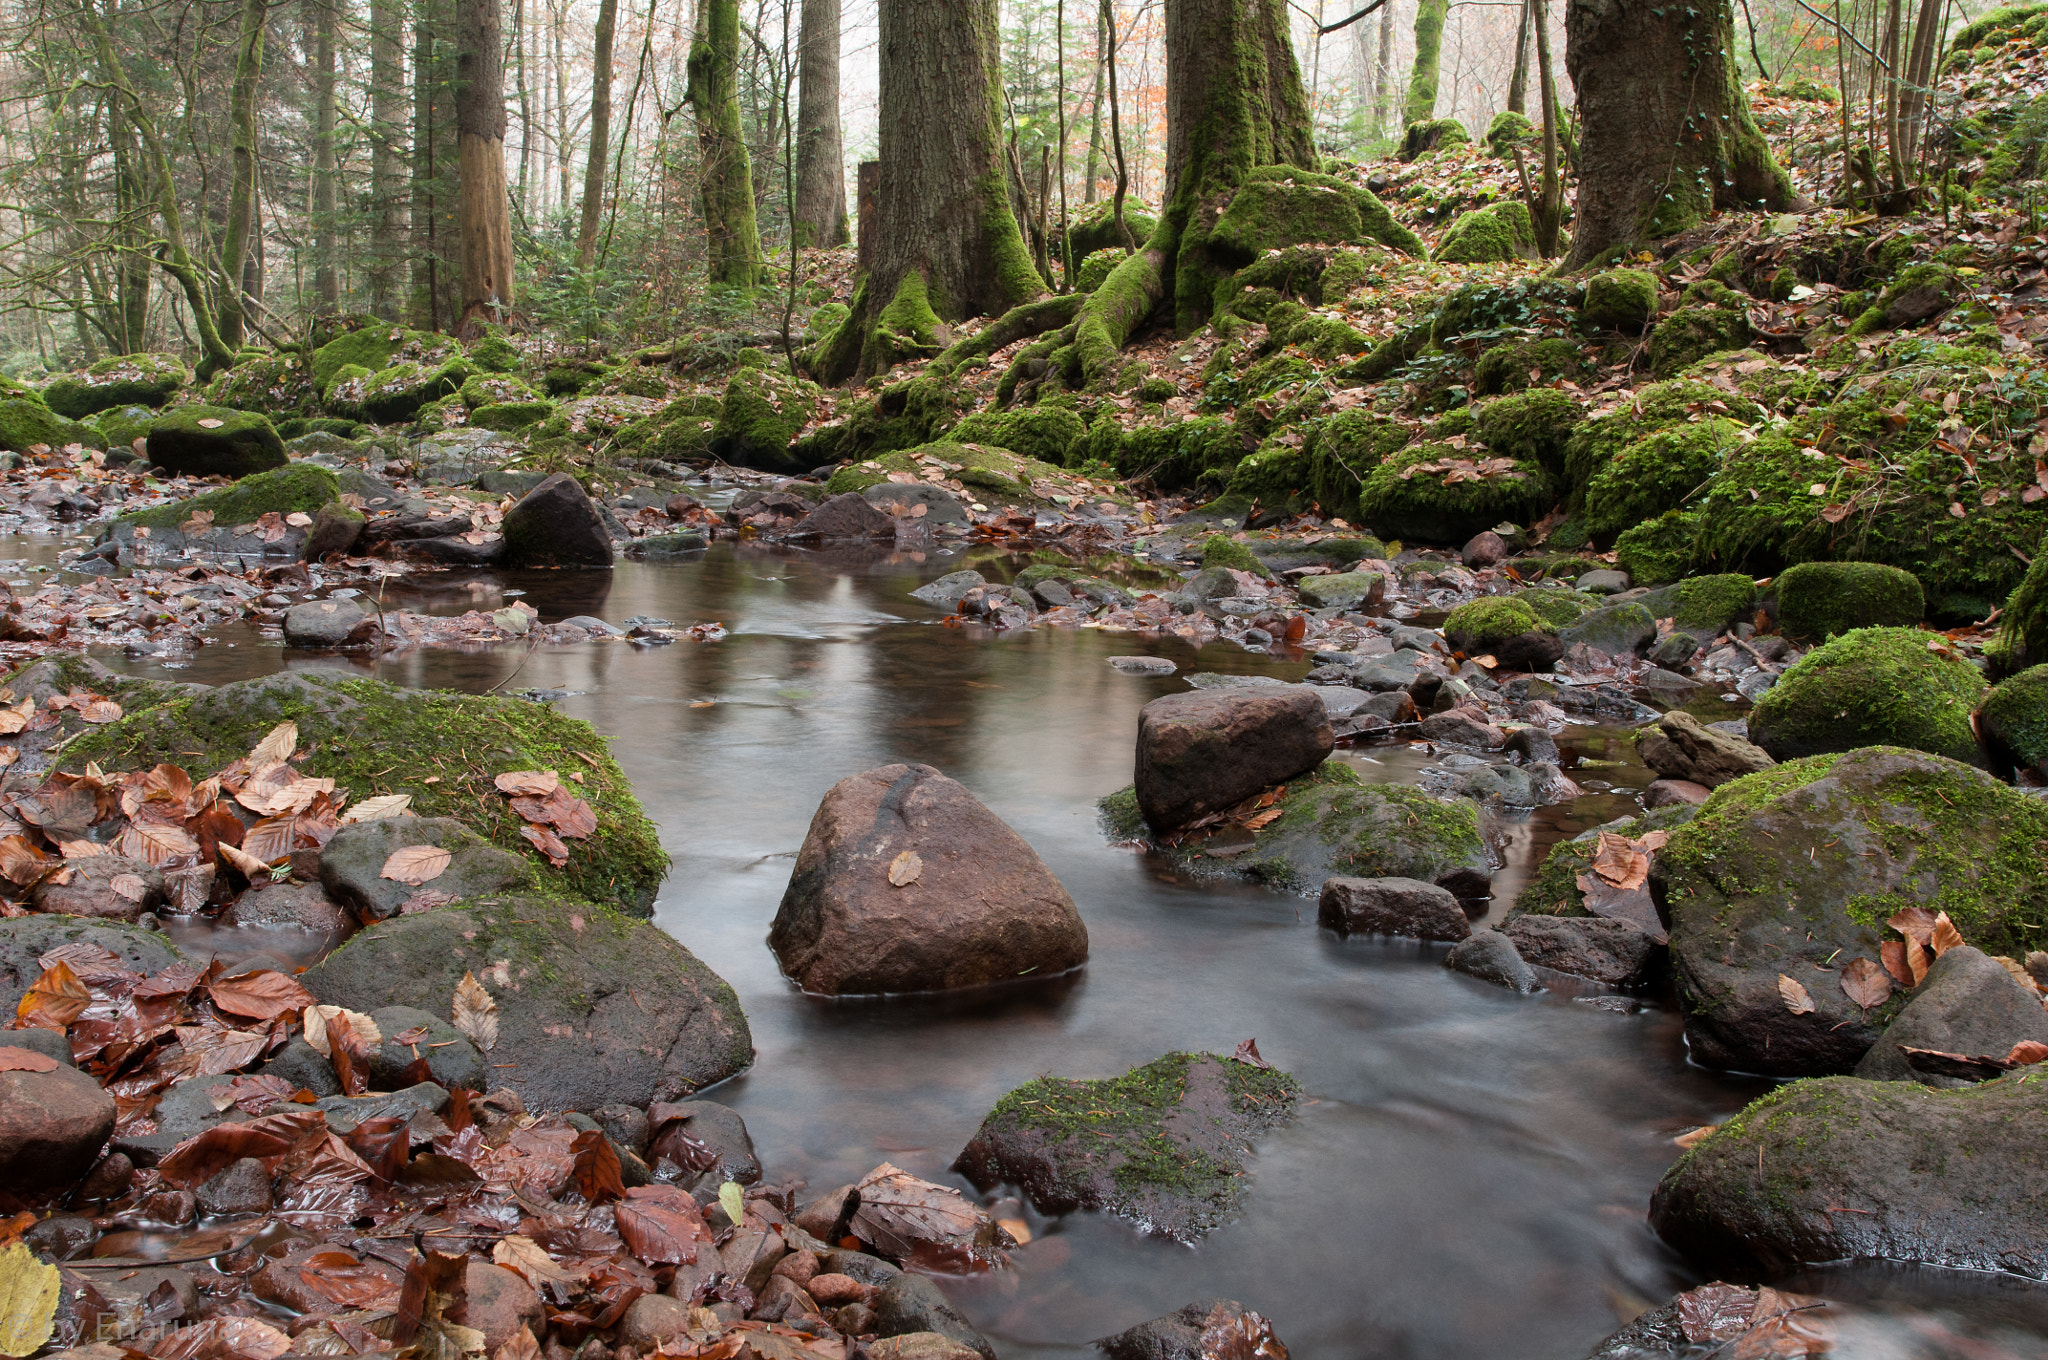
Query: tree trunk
(600, 135)
(326, 264)
(234, 247)
(1667, 136)
(434, 226)
(387, 158)
(725, 172)
(131, 272)
(480, 150)
(1518, 83)
(524, 96)
(558, 12)
(1383, 83)
(1429, 42)
(946, 244)
(820, 210)
(1090, 193)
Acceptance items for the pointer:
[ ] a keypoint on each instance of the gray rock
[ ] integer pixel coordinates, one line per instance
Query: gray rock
(299, 1063)
(946, 592)
(556, 525)
(912, 1303)
(902, 499)
(1177, 1336)
(241, 1187)
(47, 1042)
(1202, 752)
(1676, 649)
(665, 547)
(1603, 582)
(1969, 1004)
(1532, 744)
(295, 906)
(1491, 957)
(345, 1113)
(1392, 906)
(328, 623)
(1610, 951)
(352, 864)
(1673, 792)
(452, 1060)
(1679, 746)
(1144, 665)
(720, 1128)
(336, 528)
(1616, 629)
(25, 939)
(103, 887)
(846, 516)
(1347, 590)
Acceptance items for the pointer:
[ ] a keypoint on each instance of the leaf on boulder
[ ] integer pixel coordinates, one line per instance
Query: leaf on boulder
(29, 1289)
(474, 1013)
(416, 864)
(1865, 982)
(100, 711)
(263, 994)
(25, 1060)
(380, 808)
(209, 422)
(904, 869)
(733, 1200)
(547, 842)
(157, 842)
(276, 747)
(1797, 999)
(53, 1000)
(319, 1019)
(1621, 862)
(533, 783)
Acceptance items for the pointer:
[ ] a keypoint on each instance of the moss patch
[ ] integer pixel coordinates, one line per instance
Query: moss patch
(1819, 600)
(300, 486)
(1872, 687)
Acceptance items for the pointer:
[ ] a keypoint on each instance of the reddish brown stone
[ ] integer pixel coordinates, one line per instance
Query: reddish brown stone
(1209, 750)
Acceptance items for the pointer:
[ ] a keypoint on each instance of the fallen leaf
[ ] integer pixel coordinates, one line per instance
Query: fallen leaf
(100, 711)
(378, 809)
(662, 1225)
(276, 747)
(1692, 1138)
(2027, 1052)
(1797, 1000)
(904, 869)
(53, 1000)
(128, 887)
(318, 1019)
(1621, 862)
(26, 1060)
(474, 1013)
(907, 1217)
(537, 783)
(1893, 952)
(733, 1200)
(156, 842)
(1248, 1054)
(547, 842)
(263, 994)
(415, 864)
(1715, 1313)
(526, 1258)
(209, 422)
(1916, 924)
(238, 858)
(1946, 936)
(1865, 982)
(29, 1289)
(1233, 1332)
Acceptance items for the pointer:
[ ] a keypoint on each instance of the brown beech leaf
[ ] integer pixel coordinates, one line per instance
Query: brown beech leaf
(318, 1020)
(908, 1217)
(1233, 1332)
(21, 862)
(378, 809)
(1797, 999)
(598, 1172)
(537, 783)
(241, 859)
(347, 1281)
(276, 747)
(1248, 1054)
(1621, 862)
(53, 1000)
(1946, 936)
(213, 1051)
(197, 1159)
(1864, 982)
(100, 711)
(474, 1013)
(416, 864)
(224, 1338)
(661, 1225)
(1893, 952)
(547, 842)
(904, 869)
(26, 1060)
(263, 994)
(156, 842)
(519, 1346)
(525, 1257)
(1715, 1313)
(2027, 1052)
(1916, 924)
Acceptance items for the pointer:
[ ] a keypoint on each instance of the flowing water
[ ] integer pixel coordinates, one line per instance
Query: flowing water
(1471, 1168)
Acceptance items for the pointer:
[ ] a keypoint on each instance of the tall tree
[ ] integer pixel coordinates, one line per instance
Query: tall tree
(1234, 101)
(946, 245)
(1429, 43)
(435, 229)
(241, 212)
(387, 158)
(480, 151)
(820, 209)
(326, 261)
(1666, 134)
(725, 173)
(1518, 82)
(600, 134)
(1383, 78)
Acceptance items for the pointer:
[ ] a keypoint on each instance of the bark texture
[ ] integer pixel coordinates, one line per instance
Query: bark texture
(820, 160)
(727, 176)
(435, 228)
(1429, 42)
(600, 134)
(234, 248)
(946, 244)
(480, 147)
(387, 157)
(1667, 134)
(326, 265)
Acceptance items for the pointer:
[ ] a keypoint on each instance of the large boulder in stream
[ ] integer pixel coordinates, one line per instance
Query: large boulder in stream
(210, 441)
(906, 883)
(592, 1008)
(1969, 1004)
(445, 750)
(1872, 687)
(556, 525)
(1163, 1145)
(1843, 1169)
(1211, 749)
(1785, 878)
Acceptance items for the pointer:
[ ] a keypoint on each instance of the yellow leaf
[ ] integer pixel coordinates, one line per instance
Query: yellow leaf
(904, 869)
(28, 1301)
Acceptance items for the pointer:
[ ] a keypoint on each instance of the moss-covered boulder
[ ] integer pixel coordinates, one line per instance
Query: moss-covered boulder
(593, 1008)
(25, 423)
(286, 490)
(2022, 639)
(495, 354)
(1506, 627)
(214, 441)
(1709, 605)
(373, 738)
(64, 673)
(1047, 433)
(489, 389)
(1620, 300)
(1793, 872)
(763, 412)
(1500, 231)
(1658, 551)
(1509, 130)
(504, 417)
(1163, 1145)
(1660, 406)
(1434, 134)
(1843, 1169)
(378, 345)
(396, 394)
(124, 380)
(1818, 600)
(1872, 687)
(1659, 472)
(1690, 334)
(1280, 205)
(2014, 721)
(1532, 363)
(1532, 426)
(991, 475)
(1435, 493)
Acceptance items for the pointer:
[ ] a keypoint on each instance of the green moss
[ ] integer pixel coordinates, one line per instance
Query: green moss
(1559, 608)
(1710, 604)
(1656, 474)
(1345, 274)
(1658, 551)
(1437, 134)
(1501, 231)
(761, 415)
(1553, 890)
(488, 389)
(2023, 629)
(908, 328)
(1327, 339)
(2016, 156)
(1533, 363)
(1481, 625)
(1220, 550)
(1274, 477)
(1530, 426)
(2014, 719)
(1872, 687)
(997, 476)
(1509, 130)
(26, 423)
(373, 738)
(297, 487)
(205, 441)
(1411, 496)
(124, 380)
(1821, 599)
(1620, 299)
(1282, 205)
(376, 346)
(1047, 433)
(1691, 334)
(507, 416)
(494, 354)
(275, 385)
(1597, 442)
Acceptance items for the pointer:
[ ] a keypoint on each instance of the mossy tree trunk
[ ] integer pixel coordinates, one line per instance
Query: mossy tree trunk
(432, 185)
(480, 122)
(1429, 44)
(241, 217)
(387, 156)
(1234, 100)
(820, 162)
(1667, 135)
(600, 134)
(326, 262)
(725, 174)
(1518, 82)
(946, 243)
(131, 272)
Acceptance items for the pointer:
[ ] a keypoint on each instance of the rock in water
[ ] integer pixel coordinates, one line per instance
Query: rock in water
(1844, 1168)
(849, 515)
(1680, 746)
(209, 441)
(556, 525)
(592, 1008)
(1180, 1334)
(51, 1127)
(1968, 1004)
(1392, 906)
(1793, 872)
(1206, 751)
(327, 623)
(1163, 1145)
(906, 883)
(1617, 953)
(25, 939)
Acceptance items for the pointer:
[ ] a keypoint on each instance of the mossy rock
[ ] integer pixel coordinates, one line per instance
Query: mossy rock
(2017, 155)
(1620, 300)
(1326, 339)
(214, 441)
(1559, 607)
(2022, 639)
(1411, 496)
(1655, 474)
(1436, 134)
(1532, 363)
(64, 673)
(1872, 687)
(1094, 229)
(1794, 871)
(505, 417)
(1273, 477)
(489, 389)
(124, 380)
(1521, 305)
(1553, 890)
(495, 354)
(1532, 426)
(1805, 90)
(273, 385)
(25, 423)
(1818, 600)
(1280, 205)
(1499, 232)
(1481, 625)
(1691, 334)
(286, 490)
(2014, 721)
(1221, 550)
(993, 475)
(123, 425)
(1163, 1145)
(1660, 406)
(1047, 433)
(377, 347)
(373, 738)
(1658, 551)
(1710, 605)
(760, 417)
(1509, 130)
(900, 415)
(396, 394)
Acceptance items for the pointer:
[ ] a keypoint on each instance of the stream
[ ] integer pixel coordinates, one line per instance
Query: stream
(1471, 1169)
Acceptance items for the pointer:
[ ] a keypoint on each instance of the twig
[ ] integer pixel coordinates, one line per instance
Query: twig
(531, 648)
